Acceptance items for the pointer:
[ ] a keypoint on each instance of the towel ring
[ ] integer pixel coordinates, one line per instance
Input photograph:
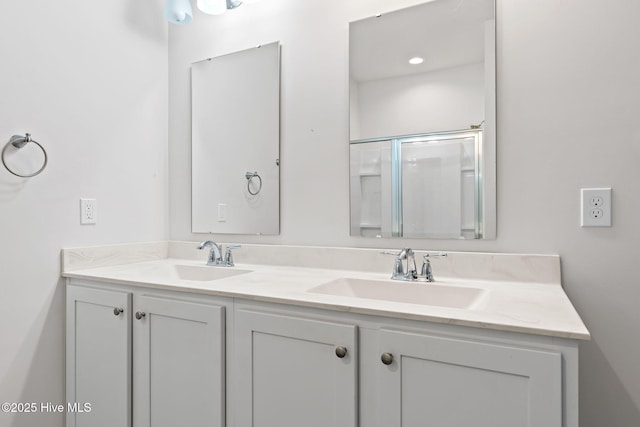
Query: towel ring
(18, 142)
(250, 176)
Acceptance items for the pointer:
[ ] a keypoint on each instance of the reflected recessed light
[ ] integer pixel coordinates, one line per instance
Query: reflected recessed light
(416, 60)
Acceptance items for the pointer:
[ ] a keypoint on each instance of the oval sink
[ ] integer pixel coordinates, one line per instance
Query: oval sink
(423, 293)
(205, 273)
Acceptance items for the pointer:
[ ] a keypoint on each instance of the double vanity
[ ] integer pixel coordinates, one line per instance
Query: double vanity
(309, 336)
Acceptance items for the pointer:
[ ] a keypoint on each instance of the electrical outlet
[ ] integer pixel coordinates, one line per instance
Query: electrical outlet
(596, 201)
(595, 207)
(88, 211)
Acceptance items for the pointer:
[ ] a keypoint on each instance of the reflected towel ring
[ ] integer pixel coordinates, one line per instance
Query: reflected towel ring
(19, 141)
(250, 176)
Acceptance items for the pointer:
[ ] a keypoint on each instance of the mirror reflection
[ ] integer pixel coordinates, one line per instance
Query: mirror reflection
(422, 122)
(236, 142)
(424, 186)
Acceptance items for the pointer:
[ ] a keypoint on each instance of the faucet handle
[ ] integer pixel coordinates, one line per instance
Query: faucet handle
(427, 271)
(401, 254)
(433, 254)
(398, 268)
(228, 256)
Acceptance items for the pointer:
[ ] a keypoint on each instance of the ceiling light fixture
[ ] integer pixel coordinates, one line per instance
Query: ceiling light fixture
(180, 12)
(416, 60)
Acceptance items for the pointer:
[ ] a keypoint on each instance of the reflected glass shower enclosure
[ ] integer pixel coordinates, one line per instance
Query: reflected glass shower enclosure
(423, 186)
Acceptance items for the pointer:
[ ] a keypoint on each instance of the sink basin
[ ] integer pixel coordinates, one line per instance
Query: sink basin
(405, 292)
(205, 273)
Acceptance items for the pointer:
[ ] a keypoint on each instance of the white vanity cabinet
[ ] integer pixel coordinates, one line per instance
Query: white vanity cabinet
(294, 371)
(459, 382)
(145, 357)
(142, 358)
(409, 373)
(178, 363)
(99, 356)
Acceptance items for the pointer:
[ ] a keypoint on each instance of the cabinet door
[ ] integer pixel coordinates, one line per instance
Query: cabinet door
(442, 382)
(290, 373)
(178, 363)
(98, 357)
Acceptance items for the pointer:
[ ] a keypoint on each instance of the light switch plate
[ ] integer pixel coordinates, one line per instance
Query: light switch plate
(222, 212)
(595, 207)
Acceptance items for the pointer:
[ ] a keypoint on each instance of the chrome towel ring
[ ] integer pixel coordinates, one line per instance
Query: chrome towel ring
(250, 176)
(19, 141)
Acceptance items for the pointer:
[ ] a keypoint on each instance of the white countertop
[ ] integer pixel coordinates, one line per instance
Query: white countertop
(507, 305)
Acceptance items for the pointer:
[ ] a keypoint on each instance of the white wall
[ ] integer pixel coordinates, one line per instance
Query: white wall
(568, 108)
(89, 82)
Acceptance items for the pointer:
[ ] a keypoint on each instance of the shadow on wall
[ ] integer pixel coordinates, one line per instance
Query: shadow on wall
(146, 17)
(598, 380)
(10, 185)
(37, 372)
(10, 190)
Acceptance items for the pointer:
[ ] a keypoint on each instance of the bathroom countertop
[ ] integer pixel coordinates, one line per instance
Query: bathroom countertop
(506, 304)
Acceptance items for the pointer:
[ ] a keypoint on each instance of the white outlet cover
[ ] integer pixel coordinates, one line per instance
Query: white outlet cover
(88, 211)
(595, 207)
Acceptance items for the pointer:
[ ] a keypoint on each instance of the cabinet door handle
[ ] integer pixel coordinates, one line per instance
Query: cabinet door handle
(140, 314)
(387, 358)
(117, 311)
(341, 351)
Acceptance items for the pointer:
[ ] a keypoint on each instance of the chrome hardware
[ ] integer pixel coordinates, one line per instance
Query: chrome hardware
(399, 272)
(250, 176)
(215, 254)
(387, 358)
(140, 314)
(341, 351)
(117, 311)
(228, 256)
(17, 142)
(427, 272)
(411, 273)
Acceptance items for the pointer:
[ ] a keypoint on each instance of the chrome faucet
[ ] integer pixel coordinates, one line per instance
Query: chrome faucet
(215, 254)
(411, 273)
(399, 272)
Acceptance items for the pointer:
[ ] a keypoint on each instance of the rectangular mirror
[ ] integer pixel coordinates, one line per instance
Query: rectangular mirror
(235, 146)
(422, 122)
